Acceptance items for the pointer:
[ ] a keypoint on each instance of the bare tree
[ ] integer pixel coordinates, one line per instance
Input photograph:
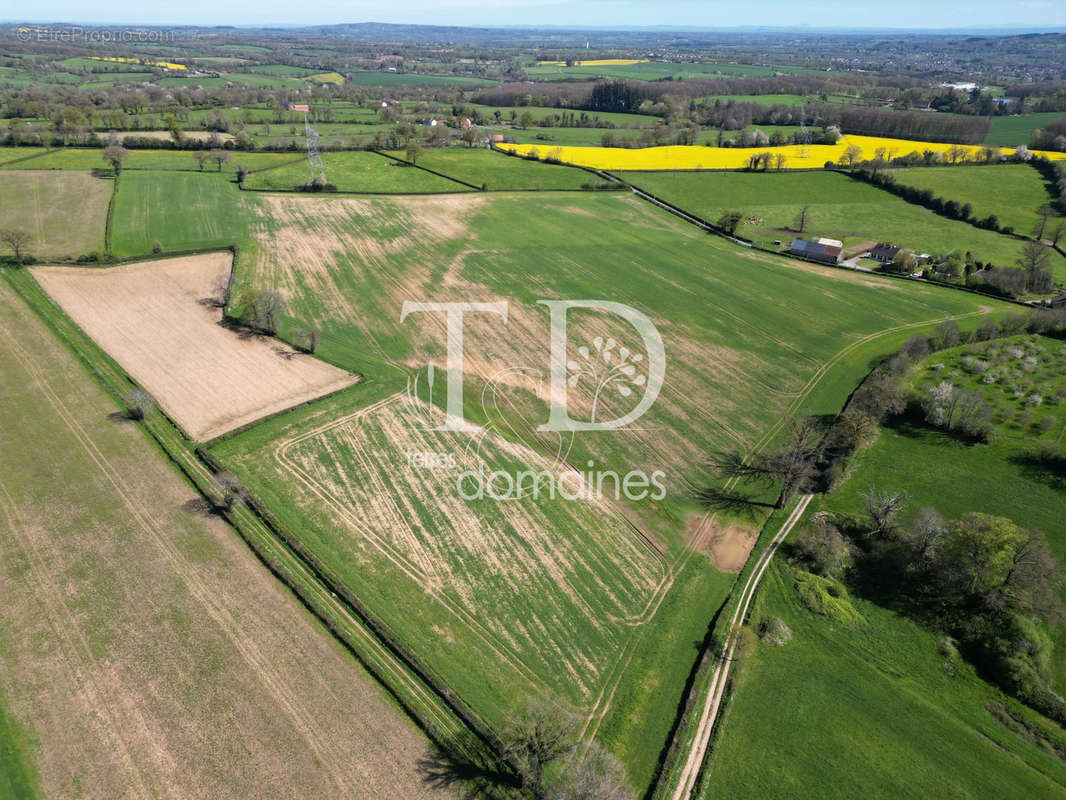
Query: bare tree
(882, 508)
(540, 733)
(229, 490)
(852, 155)
(18, 240)
(268, 307)
(594, 775)
(926, 534)
(138, 403)
(201, 157)
(306, 339)
(800, 223)
(1046, 212)
(794, 465)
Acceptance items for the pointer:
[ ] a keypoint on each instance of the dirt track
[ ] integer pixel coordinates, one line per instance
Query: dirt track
(151, 319)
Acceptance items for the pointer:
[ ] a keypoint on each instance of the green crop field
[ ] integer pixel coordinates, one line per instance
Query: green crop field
(334, 472)
(358, 172)
(911, 720)
(840, 208)
(656, 70)
(9, 154)
(364, 77)
(1013, 192)
(180, 210)
(496, 171)
(1013, 131)
(63, 212)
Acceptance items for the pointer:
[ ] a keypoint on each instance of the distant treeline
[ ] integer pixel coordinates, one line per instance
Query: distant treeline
(660, 98)
(1051, 137)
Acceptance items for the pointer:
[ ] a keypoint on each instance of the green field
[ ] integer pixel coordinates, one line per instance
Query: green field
(345, 265)
(911, 721)
(1013, 131)
(9, 154)
(496, 171)
(840, 208)
(18, 779)
(365, 77)
(1005, 477)
(1013, 192)
(656, 70)
(180, 210)
(358, 172)
(87, 158)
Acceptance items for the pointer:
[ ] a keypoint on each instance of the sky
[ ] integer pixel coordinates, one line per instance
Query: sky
(1032, 14)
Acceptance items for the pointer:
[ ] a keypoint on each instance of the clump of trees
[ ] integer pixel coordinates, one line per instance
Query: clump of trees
(543, 735)
(980, 579)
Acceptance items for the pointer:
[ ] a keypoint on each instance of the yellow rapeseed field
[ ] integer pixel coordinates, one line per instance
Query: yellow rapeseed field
(684, 157)
(121, 60)
(328, 77)
(597, 62)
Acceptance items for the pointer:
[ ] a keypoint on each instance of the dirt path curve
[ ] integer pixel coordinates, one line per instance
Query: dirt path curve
(709, 714)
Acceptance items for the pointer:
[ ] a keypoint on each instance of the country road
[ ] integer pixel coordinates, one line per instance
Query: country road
(709, 715)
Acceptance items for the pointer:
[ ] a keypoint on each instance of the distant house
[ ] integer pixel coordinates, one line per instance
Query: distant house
(884, 252)
(388, 102)
(828, 251)
(1059, 302)
(303, 108)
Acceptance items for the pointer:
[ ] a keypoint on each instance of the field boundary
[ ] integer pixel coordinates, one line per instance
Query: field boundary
(432, 710)
(399, 160)
(689, 731)
(712, 228)
(110, 218)
(31, 156)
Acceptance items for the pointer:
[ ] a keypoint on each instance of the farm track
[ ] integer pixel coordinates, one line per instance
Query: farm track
(709, 715)
(699, 739)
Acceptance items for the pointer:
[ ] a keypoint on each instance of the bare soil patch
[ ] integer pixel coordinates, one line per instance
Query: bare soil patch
(152, 318)
(729, 545)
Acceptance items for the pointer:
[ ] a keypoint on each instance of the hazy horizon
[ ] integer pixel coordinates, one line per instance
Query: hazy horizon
(670, 14)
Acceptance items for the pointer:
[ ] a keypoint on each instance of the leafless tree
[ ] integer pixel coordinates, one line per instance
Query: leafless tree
(1046, 212)
(139, 404)
(268, 307)
(926, 534)
(794, 465)
(18, 240)
(882, 508)
(540, 733)
(800, 223)
(229, 490)
(201, 157)
(593, 775)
